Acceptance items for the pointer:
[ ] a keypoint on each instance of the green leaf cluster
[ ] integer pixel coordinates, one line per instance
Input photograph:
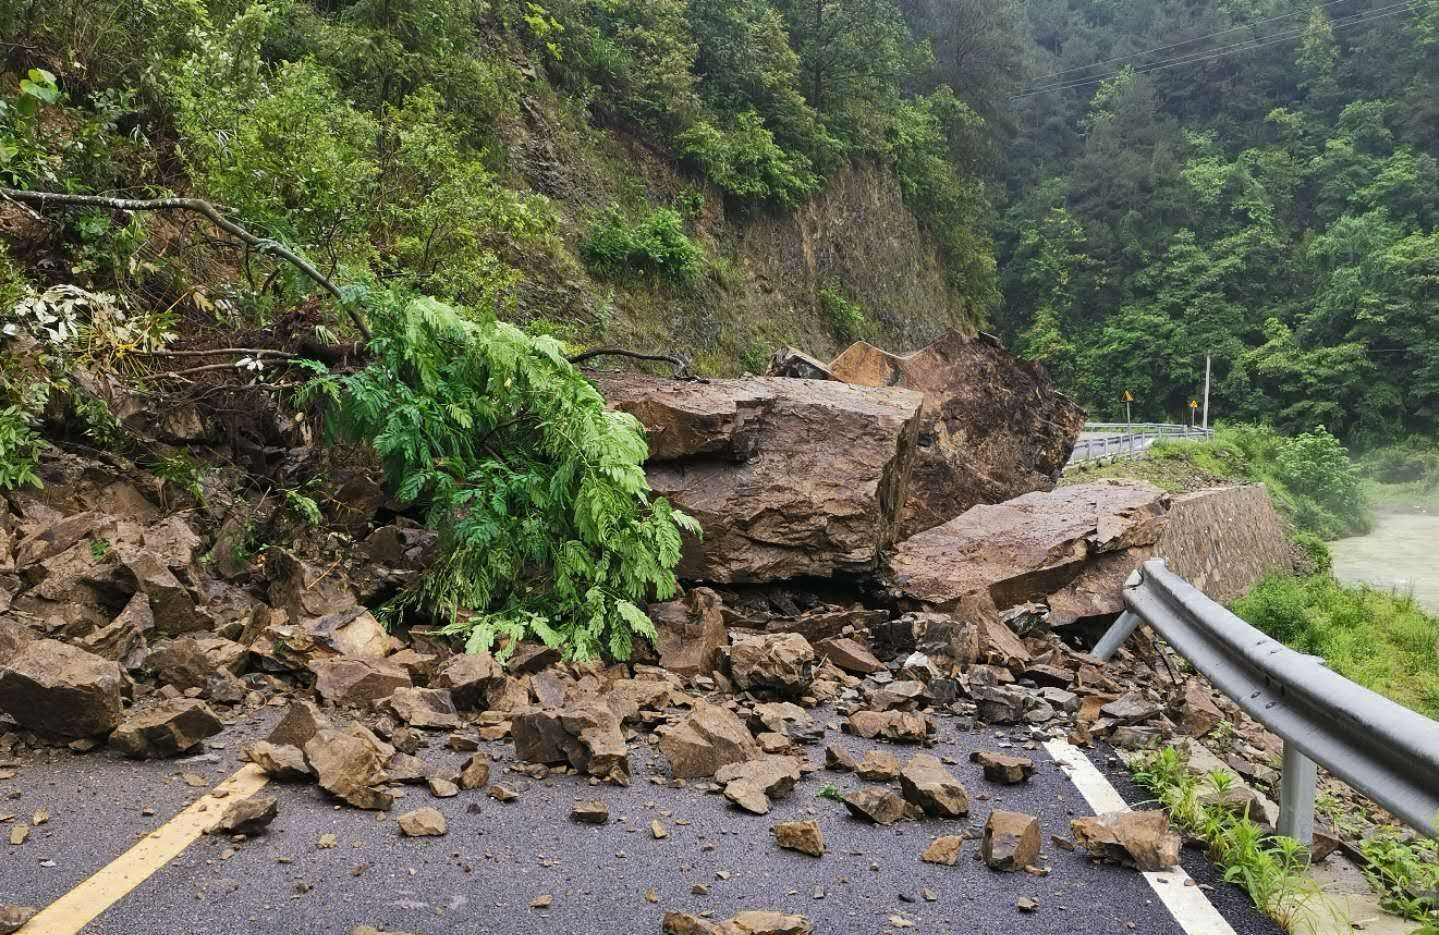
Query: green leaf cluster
(655, 246)
(547, 527)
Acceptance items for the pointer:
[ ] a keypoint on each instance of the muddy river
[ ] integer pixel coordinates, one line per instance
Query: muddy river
(1401, 553)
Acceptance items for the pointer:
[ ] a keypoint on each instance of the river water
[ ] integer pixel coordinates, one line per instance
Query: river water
(1401, 554)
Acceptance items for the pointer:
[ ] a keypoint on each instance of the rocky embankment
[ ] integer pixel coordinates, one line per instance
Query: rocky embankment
(131, 620)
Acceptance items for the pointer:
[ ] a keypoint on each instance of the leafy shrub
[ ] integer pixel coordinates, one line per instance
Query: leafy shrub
(445, 220)
(25, 157)
(1405, 873)
(747, 163)
(1380, 640)
(845, 318)
(1315, 550)
(1416, 460)
(1271, 869)
(1325, 484)
(20, 448)
(547, 527)
(278, 145)
(655, 246)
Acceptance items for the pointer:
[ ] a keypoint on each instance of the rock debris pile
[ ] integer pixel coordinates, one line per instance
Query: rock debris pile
(858, 577)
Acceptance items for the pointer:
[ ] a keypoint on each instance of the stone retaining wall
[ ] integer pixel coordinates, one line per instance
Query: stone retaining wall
(1224, 540)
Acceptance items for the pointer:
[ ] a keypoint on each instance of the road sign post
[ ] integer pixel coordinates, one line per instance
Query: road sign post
(1193, 405)
(1128, 401)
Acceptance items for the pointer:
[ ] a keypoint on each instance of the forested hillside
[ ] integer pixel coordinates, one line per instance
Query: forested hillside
(1117, 189)
(1267, 193)
(713, 178)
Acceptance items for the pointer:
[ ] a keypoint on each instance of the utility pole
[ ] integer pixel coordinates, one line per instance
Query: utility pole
(1207, 360)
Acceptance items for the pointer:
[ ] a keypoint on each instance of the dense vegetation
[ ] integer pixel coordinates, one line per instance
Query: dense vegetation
(1309, 476)
(1267, 193)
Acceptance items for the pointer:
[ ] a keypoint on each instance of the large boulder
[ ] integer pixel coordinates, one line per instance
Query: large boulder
(353, 681)
(165, 730)
(782, 663)
(189, 662)
(751, 784)
(351, 767)
(60, 691)
(753, 460)
(708, 740)
(1072, 548)
(691, 632)
(586, 735)
(1141, 838)
(468, 676)
(927, 783)
(992, 426)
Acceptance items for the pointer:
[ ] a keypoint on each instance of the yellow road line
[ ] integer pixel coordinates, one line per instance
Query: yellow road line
(79, 907)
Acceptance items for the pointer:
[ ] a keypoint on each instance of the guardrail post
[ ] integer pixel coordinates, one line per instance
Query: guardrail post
(1296, 796)
(1118, 632)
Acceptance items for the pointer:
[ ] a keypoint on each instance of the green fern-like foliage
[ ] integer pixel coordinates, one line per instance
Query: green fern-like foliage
(547, 526)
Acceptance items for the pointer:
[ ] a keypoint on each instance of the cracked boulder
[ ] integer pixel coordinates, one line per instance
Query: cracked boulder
(168, 729)
(788, 720)
(751, 784)
(586, 735)
(61, 691)
(898, 726)
(247, 816)
(189, 662)
(1139, 838)
(1070, 549)
(351, 766)
(357, 682)
(691, 632)
(782, 663)
(850, 655)
(281, 762)
(926, 782)
(753, 461)
(468, 678)
(878, 805)
(426, 708)
(709, 739)
(992, 426)
(1011, 840)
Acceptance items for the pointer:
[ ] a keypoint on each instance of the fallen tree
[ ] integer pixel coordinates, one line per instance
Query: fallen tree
(547, 527)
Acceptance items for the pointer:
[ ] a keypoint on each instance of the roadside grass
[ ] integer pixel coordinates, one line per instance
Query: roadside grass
(1309, 477)
(1270, 869)
(1404, 871)
(1383, 641)
(1417, 495)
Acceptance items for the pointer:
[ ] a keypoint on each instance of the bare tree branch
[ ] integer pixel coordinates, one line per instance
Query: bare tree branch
(201, 207)
(681, 368)
(252, 351)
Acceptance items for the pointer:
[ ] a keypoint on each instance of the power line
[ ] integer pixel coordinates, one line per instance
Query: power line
(1208, 55)
(1175, 45)
(1258, 42)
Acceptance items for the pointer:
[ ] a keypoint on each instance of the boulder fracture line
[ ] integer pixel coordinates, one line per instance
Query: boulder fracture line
(70, 913)
(1175, 888)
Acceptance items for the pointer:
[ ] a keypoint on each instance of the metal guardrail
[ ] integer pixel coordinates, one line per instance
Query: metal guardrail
(1382, 749)
(1133, 440)
(1145, 428)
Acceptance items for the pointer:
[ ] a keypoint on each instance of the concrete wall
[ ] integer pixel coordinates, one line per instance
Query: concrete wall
(1224, 540)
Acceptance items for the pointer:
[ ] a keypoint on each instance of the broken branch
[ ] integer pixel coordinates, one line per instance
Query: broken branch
(682, 369)
(200, 207)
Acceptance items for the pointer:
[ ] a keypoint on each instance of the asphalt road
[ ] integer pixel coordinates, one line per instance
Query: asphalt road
(615, 879)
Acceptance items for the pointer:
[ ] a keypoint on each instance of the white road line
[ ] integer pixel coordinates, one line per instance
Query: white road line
(1180, 895)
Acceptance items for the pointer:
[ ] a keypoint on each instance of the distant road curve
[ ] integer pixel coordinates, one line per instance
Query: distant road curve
(1106, 442)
